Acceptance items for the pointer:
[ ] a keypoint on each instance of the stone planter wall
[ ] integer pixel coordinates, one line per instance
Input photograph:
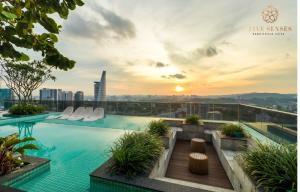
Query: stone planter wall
(191, 131)
(173, 122)
(34, 167)
(237, 176)
(102, 180)
(231, 143)
(161, 166)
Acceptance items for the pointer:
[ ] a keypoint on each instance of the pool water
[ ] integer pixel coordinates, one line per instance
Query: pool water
(74, 148)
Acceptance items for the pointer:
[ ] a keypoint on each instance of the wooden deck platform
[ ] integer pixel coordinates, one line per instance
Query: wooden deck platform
(178, 167)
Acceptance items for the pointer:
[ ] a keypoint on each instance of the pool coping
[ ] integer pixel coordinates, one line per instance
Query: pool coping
(25, 118)
(34, 163)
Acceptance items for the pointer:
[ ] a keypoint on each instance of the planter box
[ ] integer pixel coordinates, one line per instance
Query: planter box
(166, 141)
(191, 131)
(173, 122)
(34, 166)
(232, 143)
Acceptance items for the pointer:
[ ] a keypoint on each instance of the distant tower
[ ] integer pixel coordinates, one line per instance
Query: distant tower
(79, 96)
(100, 88)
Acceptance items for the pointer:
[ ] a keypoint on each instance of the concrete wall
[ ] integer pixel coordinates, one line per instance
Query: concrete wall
(238, 178)
(161, 166)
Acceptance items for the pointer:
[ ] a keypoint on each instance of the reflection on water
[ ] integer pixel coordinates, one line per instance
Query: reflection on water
(26, 130)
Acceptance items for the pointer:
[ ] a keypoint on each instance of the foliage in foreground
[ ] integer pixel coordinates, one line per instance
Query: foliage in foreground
(158, 127)
(273, 167)
(135, 153)
(26, 109)
(232, 130)
(193, 120)
(11, 146)
(18, 20)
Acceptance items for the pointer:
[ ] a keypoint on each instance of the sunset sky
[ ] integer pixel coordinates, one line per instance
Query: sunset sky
(169, 47)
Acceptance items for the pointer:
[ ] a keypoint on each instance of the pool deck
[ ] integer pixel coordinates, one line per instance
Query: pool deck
(178, 167)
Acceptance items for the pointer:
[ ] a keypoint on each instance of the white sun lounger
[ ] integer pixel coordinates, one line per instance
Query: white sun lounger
(97, 114)
(67, 111)
(78, 114)
(89, 112)
(77, 111)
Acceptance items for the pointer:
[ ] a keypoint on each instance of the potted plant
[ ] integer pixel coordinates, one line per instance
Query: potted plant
(233, 137)
(135, 153)
(161, 129)
(191, 128)
(272, 167)
(11, 152)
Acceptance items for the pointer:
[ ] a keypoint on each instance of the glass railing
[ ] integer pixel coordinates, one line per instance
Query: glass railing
(277, 125)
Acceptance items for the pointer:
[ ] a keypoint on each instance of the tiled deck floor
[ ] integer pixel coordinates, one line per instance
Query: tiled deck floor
(178, 167)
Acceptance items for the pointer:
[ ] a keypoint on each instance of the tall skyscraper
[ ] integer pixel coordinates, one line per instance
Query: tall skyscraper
(100, 88)
(79, 96)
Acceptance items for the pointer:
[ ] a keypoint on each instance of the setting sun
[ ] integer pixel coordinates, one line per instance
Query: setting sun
(179, 88)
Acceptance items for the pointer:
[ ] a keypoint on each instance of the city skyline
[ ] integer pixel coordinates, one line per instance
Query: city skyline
(185, 48)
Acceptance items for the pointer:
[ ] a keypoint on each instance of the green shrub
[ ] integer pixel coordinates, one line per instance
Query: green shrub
(193, 120)
(232, 130)
(10, 146)
(159, 128)
(273, 167)
(135, 153)
(26, 109)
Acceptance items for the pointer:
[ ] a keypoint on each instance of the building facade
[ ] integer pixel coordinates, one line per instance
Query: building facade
(55, 95)
(6, 94)
(79, 96)
(100, 88)
(49, 94)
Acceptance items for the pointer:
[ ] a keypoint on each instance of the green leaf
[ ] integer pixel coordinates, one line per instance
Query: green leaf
(79, 2)
(8, 15)
(49, 24)
(24, 57)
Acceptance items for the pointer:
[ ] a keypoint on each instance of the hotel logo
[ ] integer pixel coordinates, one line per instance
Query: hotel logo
(270, 14)
(269, 28)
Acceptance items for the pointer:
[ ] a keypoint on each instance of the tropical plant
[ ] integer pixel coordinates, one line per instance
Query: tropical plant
(232, 130)
(17, 23)
(135, 153)
(24, 77)
(158, 127)
(26, 109)
(193, 120)
(11, 146)
(273, 167)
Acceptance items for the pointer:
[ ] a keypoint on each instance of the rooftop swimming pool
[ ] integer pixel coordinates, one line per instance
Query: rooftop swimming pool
(75, 148)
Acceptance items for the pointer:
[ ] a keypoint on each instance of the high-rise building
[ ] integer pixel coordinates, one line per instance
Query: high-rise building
(68, 96)
(79, 96)
(49, 94)
(100, 88)
(55, 95)
(6, 94)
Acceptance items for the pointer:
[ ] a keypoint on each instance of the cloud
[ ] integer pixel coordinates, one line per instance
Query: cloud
(114, 26)
(121, 26)
(160, 64)
(206, 52)
(192, 57)
(175, 76)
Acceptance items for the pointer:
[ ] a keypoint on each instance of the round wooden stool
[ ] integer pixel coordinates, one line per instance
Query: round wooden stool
(198, 145)
(198, 163)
